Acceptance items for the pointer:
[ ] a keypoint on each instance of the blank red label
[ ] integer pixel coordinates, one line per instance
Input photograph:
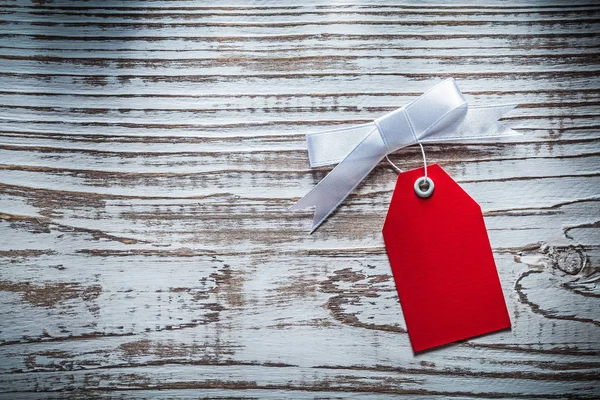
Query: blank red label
(442, 262)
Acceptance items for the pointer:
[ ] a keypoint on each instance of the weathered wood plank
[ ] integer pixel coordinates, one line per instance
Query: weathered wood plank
(149, 152)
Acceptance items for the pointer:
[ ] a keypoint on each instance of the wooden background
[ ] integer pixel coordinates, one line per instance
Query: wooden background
(149, 151)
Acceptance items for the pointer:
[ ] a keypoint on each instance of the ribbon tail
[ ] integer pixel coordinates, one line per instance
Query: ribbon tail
(477, 122)
(344, 178)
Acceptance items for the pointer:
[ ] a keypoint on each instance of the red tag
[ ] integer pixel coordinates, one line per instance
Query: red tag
(442, 262)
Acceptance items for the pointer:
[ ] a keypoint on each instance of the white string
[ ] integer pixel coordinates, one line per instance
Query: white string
(393, 165)
(424, 161)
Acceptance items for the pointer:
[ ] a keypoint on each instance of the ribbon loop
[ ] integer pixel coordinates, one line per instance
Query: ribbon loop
(440, 114)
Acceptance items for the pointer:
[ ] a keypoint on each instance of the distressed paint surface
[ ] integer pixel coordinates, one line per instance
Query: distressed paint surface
(149, 151)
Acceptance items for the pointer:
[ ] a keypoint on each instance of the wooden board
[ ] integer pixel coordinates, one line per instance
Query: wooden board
(149, 151)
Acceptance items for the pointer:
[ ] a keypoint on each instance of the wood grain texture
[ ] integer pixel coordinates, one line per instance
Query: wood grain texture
(149, 151)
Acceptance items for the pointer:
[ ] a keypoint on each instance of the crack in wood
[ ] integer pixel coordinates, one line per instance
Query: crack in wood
(51, 295)
(46, 225)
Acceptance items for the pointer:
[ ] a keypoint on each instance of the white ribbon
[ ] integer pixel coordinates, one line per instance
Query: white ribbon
(440, 114)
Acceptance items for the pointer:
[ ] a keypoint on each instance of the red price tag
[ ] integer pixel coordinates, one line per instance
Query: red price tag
(442, 262)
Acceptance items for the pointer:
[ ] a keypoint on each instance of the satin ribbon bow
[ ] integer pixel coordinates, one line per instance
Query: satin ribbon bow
(440, 114)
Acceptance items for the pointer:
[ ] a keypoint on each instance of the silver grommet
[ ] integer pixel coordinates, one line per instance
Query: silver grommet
(424, 187)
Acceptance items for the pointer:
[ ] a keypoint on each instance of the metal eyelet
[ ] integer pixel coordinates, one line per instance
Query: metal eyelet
(424, 187)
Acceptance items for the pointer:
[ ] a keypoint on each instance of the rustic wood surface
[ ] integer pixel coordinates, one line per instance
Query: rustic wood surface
(149, 151)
